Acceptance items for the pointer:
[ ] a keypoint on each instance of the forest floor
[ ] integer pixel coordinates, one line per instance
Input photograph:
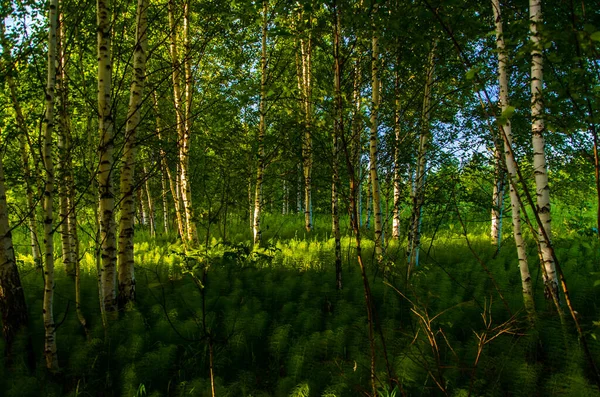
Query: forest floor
(273, 324)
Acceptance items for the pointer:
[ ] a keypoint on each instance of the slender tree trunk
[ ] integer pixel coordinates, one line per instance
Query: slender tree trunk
(511, 164)
(147, 193)
(373, 149)
(164, 196)
(421, 169)
(338, 130)
(167, 170)
(299, 190)
(23, 146)
(64, 155)
(398, 138)
(179, 118)
(50, 350)
(306, 48)
(127, 186)
(539, 157)
(356, 139)
(108, 235)
(497, 195)
(261, 129)
(184, 154)
(12, 298)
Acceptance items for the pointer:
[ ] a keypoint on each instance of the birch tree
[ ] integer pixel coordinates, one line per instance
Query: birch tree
(338, 130)
(261, 128)
(506, 135)
(373, 150)
(50, 349)
(12, 299)
(418, 194)
(184, 154)
(23, 146)
(127, 186)
(179, 119)
(108, 236)
(539, 157)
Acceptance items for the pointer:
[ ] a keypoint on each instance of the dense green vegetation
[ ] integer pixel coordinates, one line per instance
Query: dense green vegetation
(280, 328)
(375, 198)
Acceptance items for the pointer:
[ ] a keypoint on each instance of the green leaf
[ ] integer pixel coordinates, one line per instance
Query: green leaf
(595, 36)
(596, 283)
(508, 112)
(471, 74)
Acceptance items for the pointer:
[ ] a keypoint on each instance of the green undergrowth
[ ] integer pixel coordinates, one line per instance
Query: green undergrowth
(278, 326)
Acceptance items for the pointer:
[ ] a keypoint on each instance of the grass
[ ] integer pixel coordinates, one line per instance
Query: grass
(279, 327)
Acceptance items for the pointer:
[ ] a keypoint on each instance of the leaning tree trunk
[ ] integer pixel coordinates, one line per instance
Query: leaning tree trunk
(421, 171)
(23, 146)
(539, 157)
(506, 132)
(257, 234)
(373, 148)
(50, 351)
(356, 139)
(108, 236)
(127, 186)
(12, 298)
(338, 130)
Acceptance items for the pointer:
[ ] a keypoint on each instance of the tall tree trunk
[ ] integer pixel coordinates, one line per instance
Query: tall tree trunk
(397, 141)
(12, 298)
(306, 48)
(421, 168)
(164, 196)
(497, 195)
(179, 118)
(23, 146)
(539, 157)
(356, 139)
(511, 164)
(373, 150)
(261, 129)
(108, 235)
(127, 186)
(184, 154)
(50, 351)
(338, 130)
(64, 155)
(147, 193)
(170, 177)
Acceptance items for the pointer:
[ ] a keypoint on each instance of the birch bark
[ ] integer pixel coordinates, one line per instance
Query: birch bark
(108, 236)
(539, 157)
(127, 186)
(506, 131)
(50, 350)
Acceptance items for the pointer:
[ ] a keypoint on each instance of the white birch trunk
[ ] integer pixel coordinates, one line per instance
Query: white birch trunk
(421, 169)
(108, 236)
(179, 119)
(373, 149)
(50, 350)
(539, 157)
(184, 154)
(23, 146)
(257, 233)
(397, 140)
(127, 186)
(506, 131)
